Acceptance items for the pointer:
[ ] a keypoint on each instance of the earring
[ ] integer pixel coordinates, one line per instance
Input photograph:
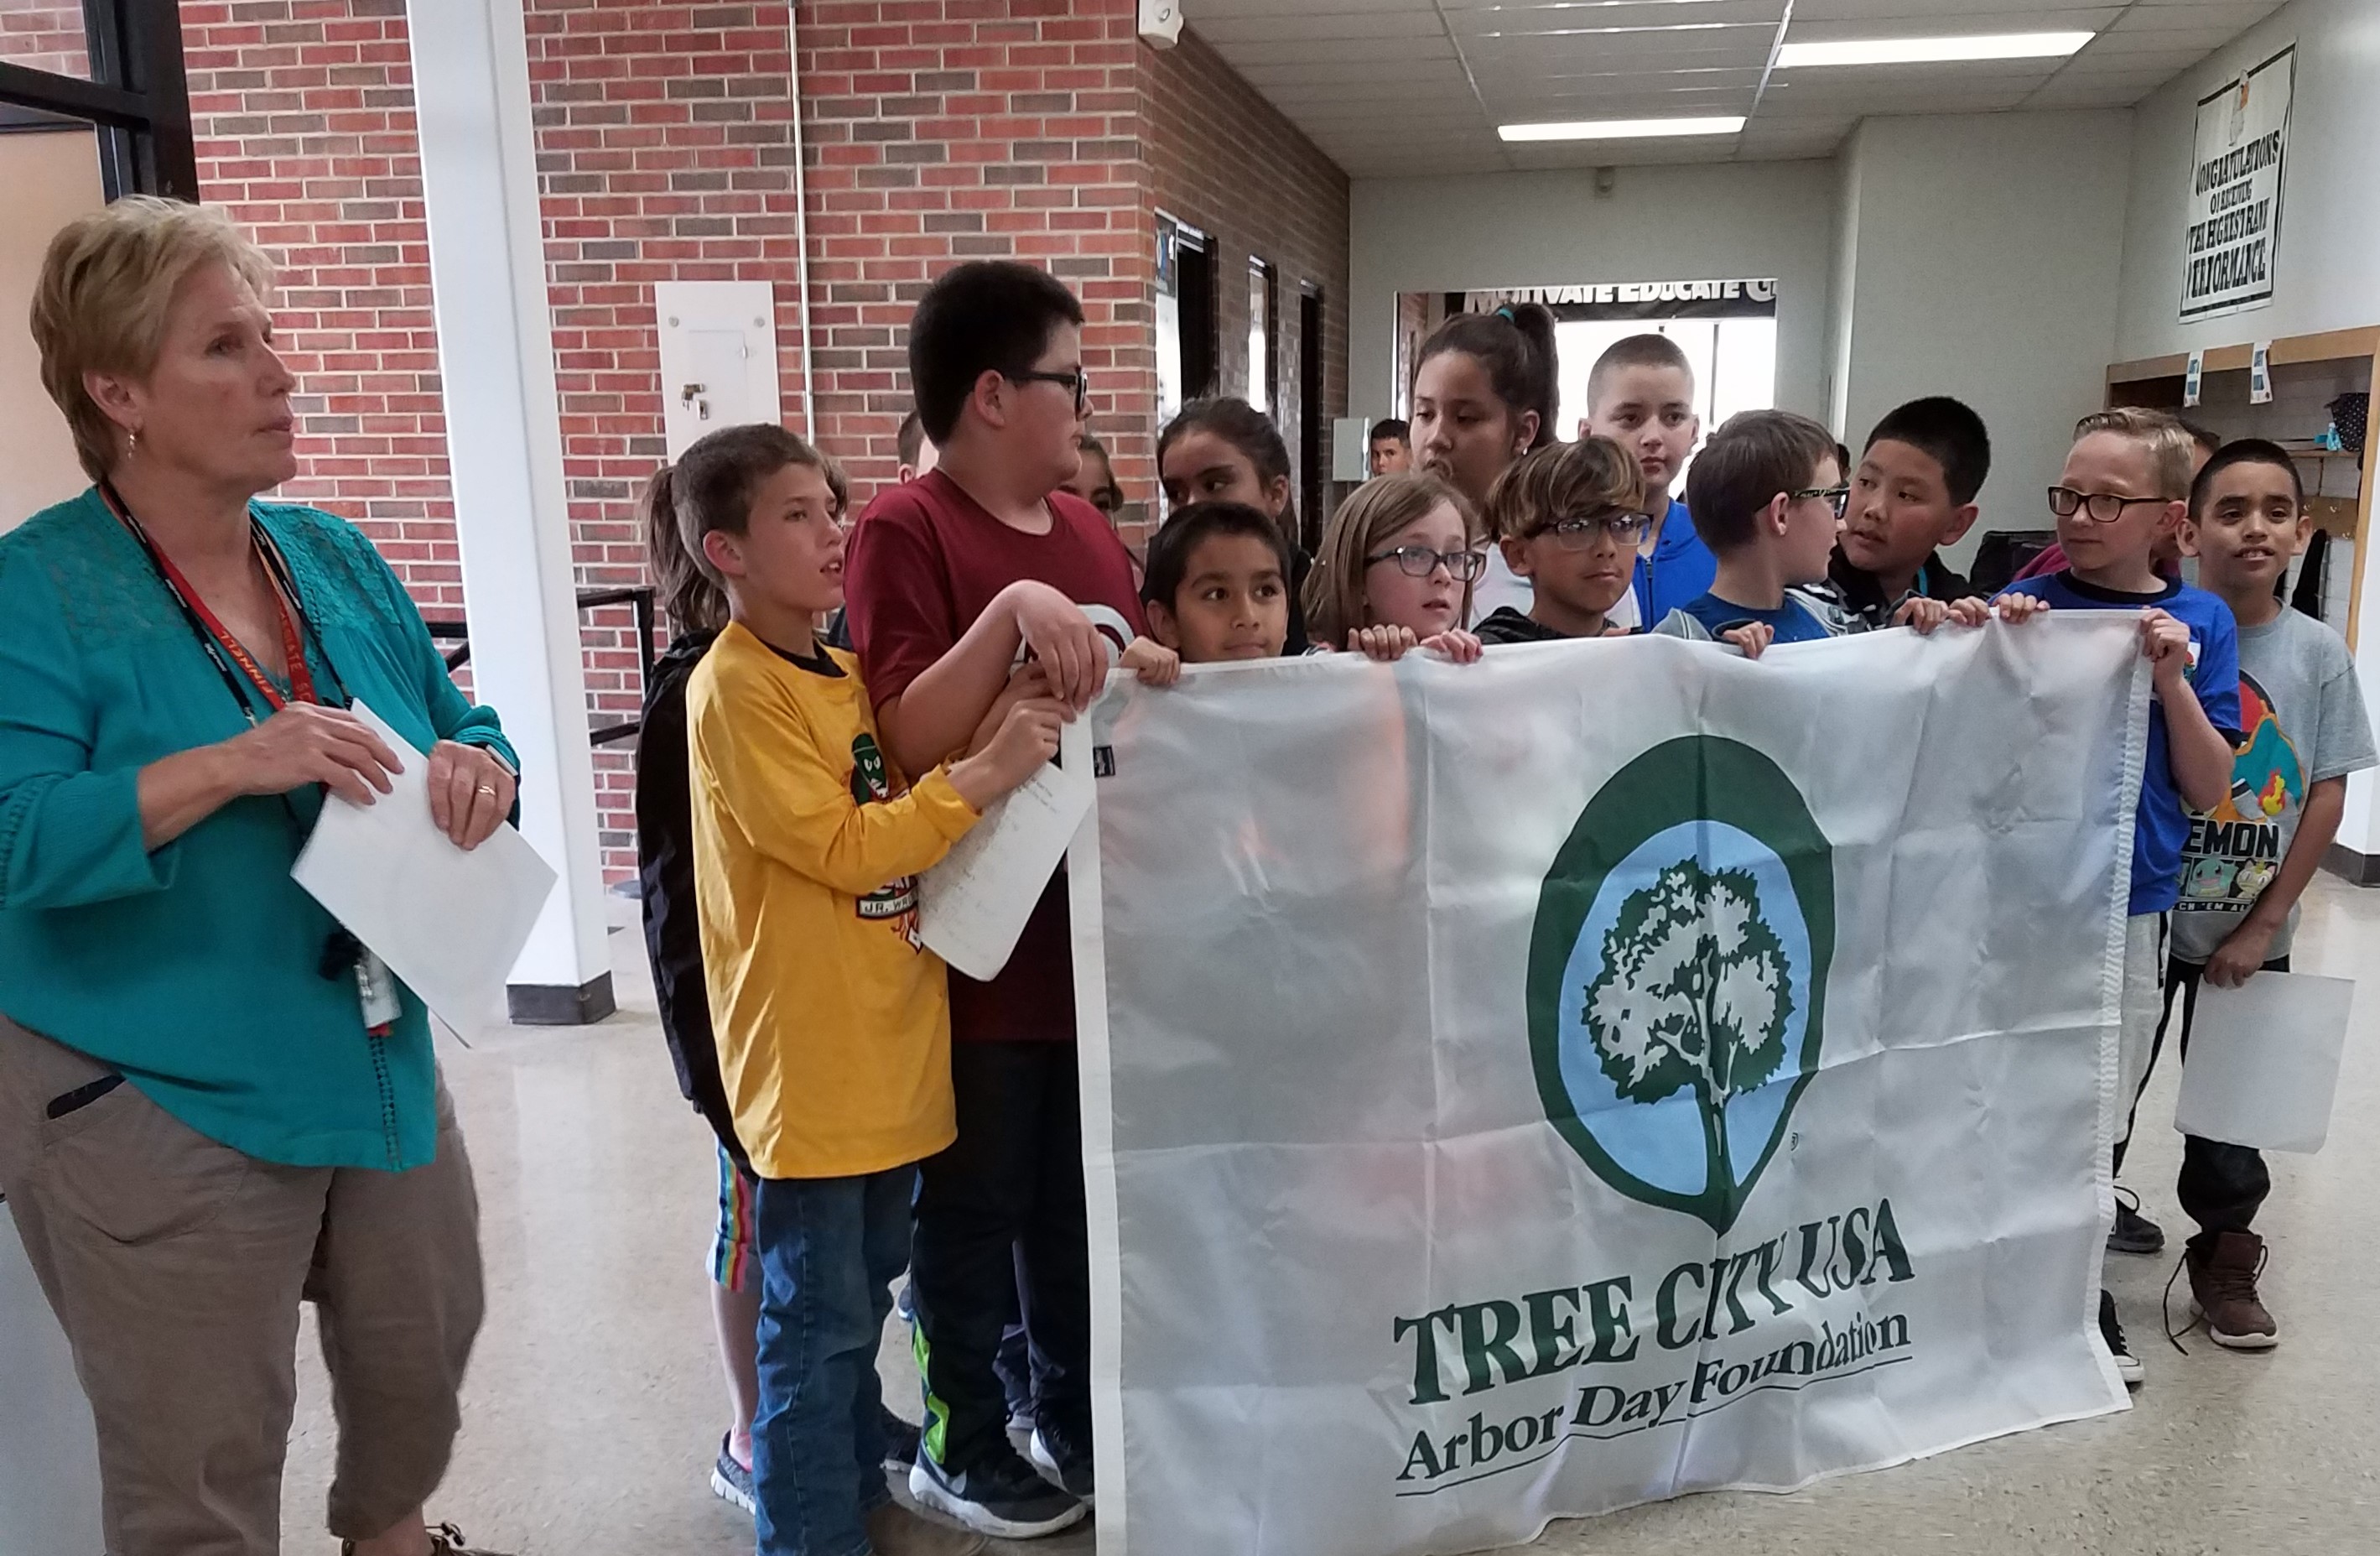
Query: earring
(131, 443)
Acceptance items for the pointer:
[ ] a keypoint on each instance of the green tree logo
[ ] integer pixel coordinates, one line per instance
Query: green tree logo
(1693, 996)
(1679, 956)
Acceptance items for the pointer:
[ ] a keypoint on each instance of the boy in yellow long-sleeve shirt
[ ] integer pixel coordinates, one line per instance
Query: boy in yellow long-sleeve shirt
(832, 1022)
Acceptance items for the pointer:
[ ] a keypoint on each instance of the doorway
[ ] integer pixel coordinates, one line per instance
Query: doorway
(1187, 343)
(93, 107)
(1309, 415)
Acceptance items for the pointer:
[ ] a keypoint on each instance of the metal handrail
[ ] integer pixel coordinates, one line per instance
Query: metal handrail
(639, 596)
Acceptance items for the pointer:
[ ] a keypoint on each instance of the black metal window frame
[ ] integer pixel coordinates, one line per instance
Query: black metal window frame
(137, 98)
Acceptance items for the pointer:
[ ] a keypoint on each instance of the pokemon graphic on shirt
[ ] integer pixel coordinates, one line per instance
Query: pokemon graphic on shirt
(2234, 852)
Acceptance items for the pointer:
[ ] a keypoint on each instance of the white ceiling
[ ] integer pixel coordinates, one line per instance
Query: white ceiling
(1401, 87)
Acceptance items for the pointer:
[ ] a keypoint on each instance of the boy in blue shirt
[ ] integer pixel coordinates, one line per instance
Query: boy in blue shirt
(1641, 395)
(2125, 488)
(1766, 496)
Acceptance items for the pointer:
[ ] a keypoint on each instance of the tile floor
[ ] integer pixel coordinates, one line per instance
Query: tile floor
(594, 1404)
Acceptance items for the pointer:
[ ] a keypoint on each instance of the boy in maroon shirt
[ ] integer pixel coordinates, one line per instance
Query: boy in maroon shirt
(995, 361)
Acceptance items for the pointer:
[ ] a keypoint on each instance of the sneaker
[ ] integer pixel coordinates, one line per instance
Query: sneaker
(1001, 1497)
(2134, 1232)
(1058, 1457)
(893, 1530)
(2111, 1329)
(730, 1481)
(900, 1445)
(2223, 1271)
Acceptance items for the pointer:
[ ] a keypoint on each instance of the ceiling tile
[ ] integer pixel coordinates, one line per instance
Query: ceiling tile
(1384, 89)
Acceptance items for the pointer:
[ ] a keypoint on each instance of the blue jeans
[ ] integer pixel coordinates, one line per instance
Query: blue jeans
(829, 1250)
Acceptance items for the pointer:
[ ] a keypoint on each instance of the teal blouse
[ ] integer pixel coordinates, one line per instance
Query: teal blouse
(196, 969)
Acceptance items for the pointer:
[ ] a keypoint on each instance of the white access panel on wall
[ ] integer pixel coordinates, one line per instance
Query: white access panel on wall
(719, 357)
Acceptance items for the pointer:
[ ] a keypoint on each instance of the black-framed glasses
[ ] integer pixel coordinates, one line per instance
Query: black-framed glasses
(2103, 507)
(1076, 379)
(1580, 533)
(1837, 497)
(1420, 562)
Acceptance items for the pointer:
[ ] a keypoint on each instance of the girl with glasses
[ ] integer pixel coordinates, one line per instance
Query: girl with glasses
(1396, 571)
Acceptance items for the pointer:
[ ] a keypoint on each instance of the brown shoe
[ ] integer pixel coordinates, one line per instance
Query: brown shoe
(2223, 1271)
(893, 1530)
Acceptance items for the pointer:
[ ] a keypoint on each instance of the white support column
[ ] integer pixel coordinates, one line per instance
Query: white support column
(503, 443)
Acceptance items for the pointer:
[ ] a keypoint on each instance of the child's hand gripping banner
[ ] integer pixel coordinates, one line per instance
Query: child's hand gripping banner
(1612, 1070)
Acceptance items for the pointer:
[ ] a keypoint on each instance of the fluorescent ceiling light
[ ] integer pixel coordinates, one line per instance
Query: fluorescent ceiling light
(1929, 51)
(1620, 130)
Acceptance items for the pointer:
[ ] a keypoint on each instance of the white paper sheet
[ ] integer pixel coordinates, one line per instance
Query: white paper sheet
(448, 923)
(973, 905)
(2264, 1061)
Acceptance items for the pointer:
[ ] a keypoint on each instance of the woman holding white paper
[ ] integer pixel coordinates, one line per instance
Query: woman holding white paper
(213, 1103)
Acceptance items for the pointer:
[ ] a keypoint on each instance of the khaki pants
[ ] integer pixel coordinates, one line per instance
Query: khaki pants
(176, 1266)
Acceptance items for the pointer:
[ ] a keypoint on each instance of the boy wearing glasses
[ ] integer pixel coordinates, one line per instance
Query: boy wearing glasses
(1914, 493)
(2125, 489)
(996, 363)
(1765, 495)
(1568, 518)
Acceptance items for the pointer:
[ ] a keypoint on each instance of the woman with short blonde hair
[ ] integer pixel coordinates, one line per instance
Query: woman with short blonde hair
(213, 1103)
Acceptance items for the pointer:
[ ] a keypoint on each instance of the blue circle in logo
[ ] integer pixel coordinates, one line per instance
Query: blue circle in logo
(1662, 1143)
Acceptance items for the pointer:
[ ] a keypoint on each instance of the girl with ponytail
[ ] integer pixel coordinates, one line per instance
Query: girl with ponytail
(1222, 449)
(1483, 395)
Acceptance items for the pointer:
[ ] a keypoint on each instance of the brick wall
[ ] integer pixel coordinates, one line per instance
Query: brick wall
(44, 35)
(958, 129)
(938, 130)
(1227, 161)
(665, 153)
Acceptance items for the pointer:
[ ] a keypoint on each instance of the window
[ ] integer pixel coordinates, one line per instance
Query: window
(114, 66)
(1264, 306)
(1186, 316)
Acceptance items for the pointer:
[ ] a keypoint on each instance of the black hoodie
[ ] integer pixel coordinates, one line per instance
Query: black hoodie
(665, 865)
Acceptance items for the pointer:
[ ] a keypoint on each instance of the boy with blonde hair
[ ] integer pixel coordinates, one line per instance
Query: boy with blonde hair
(2124, 490)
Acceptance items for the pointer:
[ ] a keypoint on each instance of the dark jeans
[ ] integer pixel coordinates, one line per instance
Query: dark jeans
(829, 1250)
(999, 1216)
(2221, 1185)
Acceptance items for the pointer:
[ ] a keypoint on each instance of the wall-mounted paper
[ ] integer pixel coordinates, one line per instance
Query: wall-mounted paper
(2264, 1061)
(450, 924)
(973, 905)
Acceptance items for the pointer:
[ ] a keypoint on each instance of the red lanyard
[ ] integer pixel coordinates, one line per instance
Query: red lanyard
(293, 647)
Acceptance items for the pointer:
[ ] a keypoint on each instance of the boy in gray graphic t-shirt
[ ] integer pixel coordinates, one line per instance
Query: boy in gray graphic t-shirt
(2303, 730)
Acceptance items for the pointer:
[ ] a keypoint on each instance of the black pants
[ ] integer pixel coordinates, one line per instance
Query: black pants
(999, 1216)
(2221, 1185)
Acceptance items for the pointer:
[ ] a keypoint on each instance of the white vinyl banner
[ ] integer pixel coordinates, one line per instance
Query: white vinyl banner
(1612, 1070)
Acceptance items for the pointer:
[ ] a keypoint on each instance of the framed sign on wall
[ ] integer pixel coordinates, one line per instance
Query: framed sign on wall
(2234, 231)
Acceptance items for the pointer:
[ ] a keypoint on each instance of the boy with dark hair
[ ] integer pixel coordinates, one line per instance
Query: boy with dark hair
(2246, 864)
(996, 361)
(1641, 395)
(916, 454)
(1568, 518)
(2124, 490)
(1914, 493)
(1217, 588)
(1392, 450)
